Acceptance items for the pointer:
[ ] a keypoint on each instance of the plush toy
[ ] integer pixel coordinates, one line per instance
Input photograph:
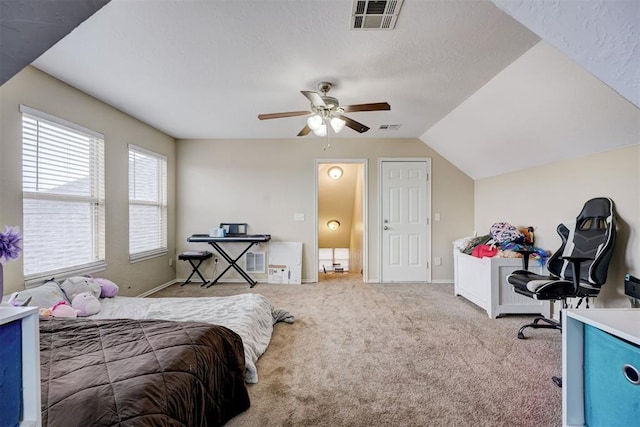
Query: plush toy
(529, 237)
(85, 304)
(108, 289)
(13, 300)
(79, 284)
(62, 309)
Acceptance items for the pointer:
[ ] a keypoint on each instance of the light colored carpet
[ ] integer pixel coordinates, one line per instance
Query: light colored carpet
(395, 355)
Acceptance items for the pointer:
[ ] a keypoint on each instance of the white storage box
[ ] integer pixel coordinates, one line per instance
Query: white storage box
(483, 281)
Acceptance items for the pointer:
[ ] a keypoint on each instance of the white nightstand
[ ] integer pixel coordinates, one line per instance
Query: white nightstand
(600, 361)
(20, 361)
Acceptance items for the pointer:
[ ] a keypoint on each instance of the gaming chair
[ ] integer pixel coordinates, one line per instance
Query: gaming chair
(579, 268)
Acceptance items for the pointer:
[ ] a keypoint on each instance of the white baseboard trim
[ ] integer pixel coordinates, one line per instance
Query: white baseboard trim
(157, 288)
(237, 280)
(442, 281)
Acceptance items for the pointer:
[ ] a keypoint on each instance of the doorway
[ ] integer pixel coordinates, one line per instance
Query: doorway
(341, 218)
(405, 207)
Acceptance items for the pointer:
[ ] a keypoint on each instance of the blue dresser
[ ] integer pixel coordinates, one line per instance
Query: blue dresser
(601, 367)
(19, 367)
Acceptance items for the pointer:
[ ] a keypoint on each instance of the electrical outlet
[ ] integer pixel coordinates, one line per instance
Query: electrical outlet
(170, 262)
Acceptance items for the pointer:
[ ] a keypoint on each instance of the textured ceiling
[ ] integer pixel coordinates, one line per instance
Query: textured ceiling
(206, 69)
(28, 28)
(601, 35)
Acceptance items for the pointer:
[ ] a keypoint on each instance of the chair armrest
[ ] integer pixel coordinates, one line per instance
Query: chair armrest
(525, 257)
(575, 268)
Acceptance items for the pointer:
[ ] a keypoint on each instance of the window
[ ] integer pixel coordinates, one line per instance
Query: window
(328, 258)
(63, 197)
(147, 204)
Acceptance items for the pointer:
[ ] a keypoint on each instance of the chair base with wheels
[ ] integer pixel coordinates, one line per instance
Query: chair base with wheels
(547, 324)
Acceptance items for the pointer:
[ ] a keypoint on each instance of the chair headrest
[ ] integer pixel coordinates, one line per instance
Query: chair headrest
(598, 209)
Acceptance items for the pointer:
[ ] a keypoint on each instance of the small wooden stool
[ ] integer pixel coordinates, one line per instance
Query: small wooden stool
(192, 257)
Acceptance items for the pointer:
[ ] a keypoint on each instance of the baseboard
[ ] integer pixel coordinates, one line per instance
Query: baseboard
(442, 282)
(157, 288)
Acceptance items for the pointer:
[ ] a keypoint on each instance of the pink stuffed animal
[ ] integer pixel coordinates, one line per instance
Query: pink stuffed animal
(62, 309)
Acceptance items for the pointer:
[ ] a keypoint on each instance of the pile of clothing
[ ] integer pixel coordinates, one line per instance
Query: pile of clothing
(503, 240)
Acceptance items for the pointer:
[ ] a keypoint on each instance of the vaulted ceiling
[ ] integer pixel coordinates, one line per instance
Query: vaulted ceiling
(455, 73)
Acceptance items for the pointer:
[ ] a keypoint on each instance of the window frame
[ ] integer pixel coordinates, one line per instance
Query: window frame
(96, 200)
(161, 202)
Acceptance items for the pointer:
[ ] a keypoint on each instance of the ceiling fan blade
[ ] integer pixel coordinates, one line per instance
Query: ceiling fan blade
(376, 106)
(358, 127)
(281, 115)
(315, 98)
(305, 131)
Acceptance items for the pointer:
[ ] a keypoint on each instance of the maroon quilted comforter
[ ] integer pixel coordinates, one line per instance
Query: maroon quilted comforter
(127, 372)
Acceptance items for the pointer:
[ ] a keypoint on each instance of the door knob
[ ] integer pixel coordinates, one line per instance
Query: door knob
(385, 228)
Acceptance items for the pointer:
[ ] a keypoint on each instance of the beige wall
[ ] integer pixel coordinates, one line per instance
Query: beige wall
(356, 239)
(264, 182)
(547, 195)
(38, 90)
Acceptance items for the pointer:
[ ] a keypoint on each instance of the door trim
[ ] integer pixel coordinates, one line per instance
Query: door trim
(427, 160)
(365, 214)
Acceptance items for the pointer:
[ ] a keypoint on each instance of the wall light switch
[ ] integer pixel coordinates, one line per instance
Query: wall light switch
(437, 215)
(298, 217)
(437, 260)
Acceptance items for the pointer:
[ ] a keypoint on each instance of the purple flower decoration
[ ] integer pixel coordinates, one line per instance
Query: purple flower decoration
(10, 242)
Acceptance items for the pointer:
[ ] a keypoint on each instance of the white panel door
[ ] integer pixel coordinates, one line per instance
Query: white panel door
(405, 215)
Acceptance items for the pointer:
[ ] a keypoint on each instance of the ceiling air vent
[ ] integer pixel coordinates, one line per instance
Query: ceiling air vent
(389, 127)
(375, 15)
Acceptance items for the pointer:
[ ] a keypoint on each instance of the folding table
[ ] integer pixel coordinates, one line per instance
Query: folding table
(215, 242)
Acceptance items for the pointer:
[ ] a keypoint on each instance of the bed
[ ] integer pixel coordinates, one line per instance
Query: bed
(251, 316)
(140, 372)
(151, 361)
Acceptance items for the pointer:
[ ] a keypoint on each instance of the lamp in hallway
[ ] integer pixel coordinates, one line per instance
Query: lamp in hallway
(333, 224)
(335, 172)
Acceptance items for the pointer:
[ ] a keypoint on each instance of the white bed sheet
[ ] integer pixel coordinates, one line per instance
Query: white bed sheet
(251, 316)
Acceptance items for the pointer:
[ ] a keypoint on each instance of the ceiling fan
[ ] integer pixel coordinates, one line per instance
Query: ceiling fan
(326, 111)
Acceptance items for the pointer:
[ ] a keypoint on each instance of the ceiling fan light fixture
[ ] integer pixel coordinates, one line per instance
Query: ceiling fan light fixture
(337, 124)
(314, 122)
(321, 131)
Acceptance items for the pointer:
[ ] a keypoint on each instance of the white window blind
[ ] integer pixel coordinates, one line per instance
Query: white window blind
(147, 204)
(327, 257)
(63, 197)
(341, 256)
